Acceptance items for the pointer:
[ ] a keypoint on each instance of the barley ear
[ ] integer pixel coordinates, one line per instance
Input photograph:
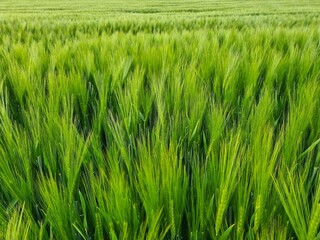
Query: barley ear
(173, 226)
(221, 209)
(258, 213)
(240, 221)
(99, 227)
(314, 223)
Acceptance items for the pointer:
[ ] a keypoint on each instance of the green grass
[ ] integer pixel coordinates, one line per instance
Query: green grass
(159, 120)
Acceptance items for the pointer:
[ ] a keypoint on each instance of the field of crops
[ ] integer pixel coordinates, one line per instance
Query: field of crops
(159, 119)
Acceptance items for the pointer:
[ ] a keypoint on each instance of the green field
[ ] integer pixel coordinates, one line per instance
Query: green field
(160, 119)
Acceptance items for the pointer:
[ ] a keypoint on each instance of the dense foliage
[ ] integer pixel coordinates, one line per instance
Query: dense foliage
(189, 125)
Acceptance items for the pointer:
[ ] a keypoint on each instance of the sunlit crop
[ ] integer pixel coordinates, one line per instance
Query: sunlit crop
(151, 120)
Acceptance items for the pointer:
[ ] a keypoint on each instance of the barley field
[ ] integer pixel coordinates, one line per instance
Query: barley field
(160, 119)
